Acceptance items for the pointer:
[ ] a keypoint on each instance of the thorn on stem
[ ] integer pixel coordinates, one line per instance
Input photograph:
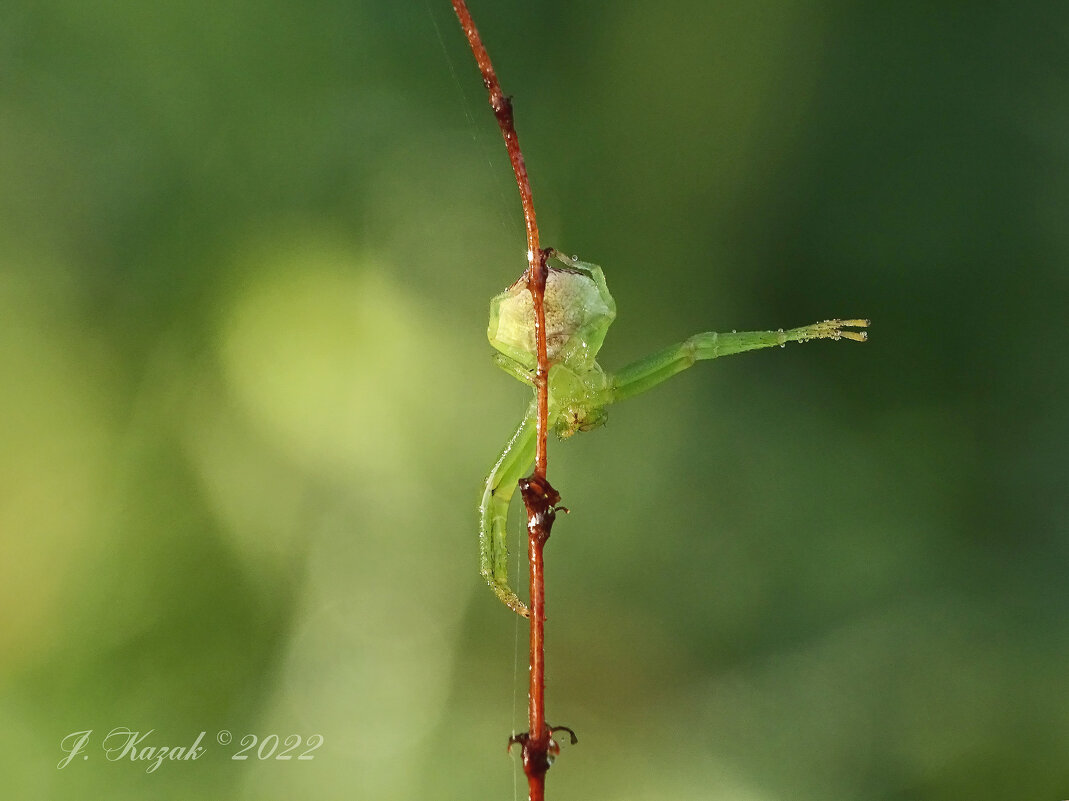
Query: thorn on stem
(555, 729)
(540, 755)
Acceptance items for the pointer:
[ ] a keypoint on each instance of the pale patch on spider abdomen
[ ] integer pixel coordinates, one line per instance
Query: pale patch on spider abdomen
(578, 309)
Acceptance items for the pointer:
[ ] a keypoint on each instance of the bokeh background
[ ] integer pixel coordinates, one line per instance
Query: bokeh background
(246, 402)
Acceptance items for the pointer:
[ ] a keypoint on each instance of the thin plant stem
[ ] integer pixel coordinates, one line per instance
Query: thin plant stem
(539, 497)
(537, 270)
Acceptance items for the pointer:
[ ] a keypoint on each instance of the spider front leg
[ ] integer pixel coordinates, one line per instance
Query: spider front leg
(514, 461)
(646, 373)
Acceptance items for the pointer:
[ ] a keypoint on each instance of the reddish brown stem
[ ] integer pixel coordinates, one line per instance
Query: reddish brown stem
(536, 259)
(538, 495)
(538, 745)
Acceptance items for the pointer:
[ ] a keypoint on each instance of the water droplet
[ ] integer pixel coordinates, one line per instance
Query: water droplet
(734, 331)
(783, 344)
(575, 257)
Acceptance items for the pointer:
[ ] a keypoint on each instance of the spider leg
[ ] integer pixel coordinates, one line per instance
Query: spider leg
(646, 373)
(501, 484)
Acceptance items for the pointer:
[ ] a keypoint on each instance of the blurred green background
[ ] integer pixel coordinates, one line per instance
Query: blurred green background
(246, 252)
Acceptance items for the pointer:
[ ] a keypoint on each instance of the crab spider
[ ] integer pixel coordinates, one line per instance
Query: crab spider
(579, 311)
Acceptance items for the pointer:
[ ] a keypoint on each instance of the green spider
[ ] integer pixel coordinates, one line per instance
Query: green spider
(579, 311)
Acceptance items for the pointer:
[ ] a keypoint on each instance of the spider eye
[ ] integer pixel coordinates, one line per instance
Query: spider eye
(579, 418)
